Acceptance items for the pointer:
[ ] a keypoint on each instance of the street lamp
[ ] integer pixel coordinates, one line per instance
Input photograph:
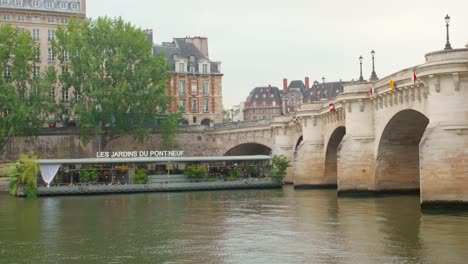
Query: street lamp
(447, 45)
(232, 115)
(316, 83)
(373, 76)
(361, 79)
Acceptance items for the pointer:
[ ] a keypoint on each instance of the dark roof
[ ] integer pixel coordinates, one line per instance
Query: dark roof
(324, 90)
(182, 48)
(271, 94)
(296, 85)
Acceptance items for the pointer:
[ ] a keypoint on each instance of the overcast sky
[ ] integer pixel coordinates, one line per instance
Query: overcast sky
(260, 42)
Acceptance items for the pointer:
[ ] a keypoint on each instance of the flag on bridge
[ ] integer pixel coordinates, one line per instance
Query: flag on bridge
(392, 85)
(372, 90)
(415, 78)
(331, 107)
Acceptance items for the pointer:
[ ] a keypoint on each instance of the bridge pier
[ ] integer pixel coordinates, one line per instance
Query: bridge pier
(284, 146)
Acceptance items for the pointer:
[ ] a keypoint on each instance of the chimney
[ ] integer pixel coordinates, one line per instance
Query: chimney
(285, 84)
(306, 83)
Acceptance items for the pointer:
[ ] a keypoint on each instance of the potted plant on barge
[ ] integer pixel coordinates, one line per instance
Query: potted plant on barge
(23, 177)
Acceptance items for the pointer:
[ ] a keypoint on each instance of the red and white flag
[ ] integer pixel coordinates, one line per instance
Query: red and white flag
(372, 90)
(332, 107)
(415, 78)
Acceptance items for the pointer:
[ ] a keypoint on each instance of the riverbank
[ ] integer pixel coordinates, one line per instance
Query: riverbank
(156, 187)
(4, 185)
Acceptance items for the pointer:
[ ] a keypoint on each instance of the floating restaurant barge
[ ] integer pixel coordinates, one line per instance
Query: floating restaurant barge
(62, 176)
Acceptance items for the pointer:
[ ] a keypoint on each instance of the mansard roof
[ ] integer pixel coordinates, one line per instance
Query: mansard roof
(271, 94)
(327, 90)
(182, 48)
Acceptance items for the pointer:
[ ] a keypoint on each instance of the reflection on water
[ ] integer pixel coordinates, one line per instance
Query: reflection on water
(254, 226)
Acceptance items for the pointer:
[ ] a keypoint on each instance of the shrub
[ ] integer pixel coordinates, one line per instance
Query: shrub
(234, 174)
(88, 175)
(24, 176)
(141, 176)
(280, 164)
(195, 172)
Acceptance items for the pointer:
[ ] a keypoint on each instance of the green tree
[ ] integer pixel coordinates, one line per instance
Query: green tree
(120, 87)
(23, 176)
(280, 164)
(24, 96)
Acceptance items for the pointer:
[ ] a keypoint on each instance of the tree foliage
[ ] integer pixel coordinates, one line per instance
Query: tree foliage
(23, 176)
(24, 97)
(119, 86)
(280, 164)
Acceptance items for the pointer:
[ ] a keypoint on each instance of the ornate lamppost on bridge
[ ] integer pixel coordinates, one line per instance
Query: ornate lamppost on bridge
(373, 76)
(361, 79)
(447, 45)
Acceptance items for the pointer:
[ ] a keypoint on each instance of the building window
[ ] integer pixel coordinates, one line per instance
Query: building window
(50, 35)
(52, 94)
(192, 69)
(74, 6)
(35, 3)
(37, 54)
(50, 52)
(274, 103)
(6, 17)
(35, 72)
(35, 34)
(7, 73)
(194, 105)
(181, 87)
(5, 2)
(194, 87)
(64, 70)
(206, 107)
(36, 19)
(63, 5)
(20, 18)
(49, 4)
(51, 20)
(64, 20)
(181, 67)
(205, 68)
(192, 58)
(66, 56)
(64, 94)
(19, 2)
(206, 88)
(182, 105)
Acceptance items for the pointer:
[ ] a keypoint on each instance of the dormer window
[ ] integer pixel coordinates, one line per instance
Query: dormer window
(192, 58)
(181, 67)
(192, 69)
(35, 3)
(205, 68)
(63, 5)
(49, 4)
(74, 6)
(19, 2)
(5, 2)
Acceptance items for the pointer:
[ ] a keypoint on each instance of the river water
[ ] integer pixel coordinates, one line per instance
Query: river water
(251, 226)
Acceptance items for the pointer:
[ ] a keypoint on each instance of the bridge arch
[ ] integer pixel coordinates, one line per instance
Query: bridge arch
(248, 149)
(331, 154)
(397, 164)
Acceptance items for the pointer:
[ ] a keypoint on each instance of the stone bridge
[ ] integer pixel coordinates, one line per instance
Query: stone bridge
(413, 137)
(410, 138)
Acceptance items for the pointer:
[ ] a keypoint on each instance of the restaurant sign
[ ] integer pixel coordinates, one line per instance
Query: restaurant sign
(137, 154)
